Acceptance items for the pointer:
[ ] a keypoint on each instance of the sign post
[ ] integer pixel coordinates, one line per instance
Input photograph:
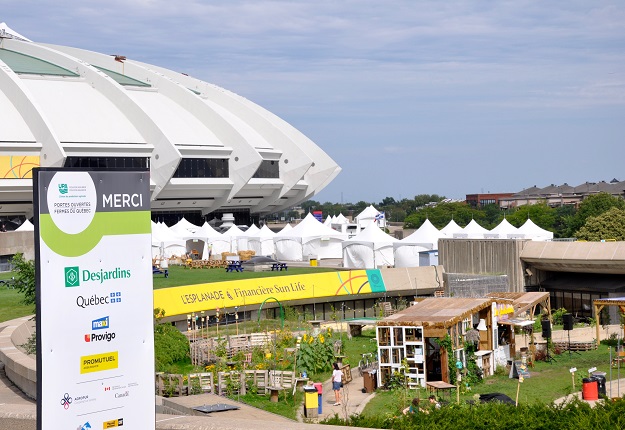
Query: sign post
(95, 344)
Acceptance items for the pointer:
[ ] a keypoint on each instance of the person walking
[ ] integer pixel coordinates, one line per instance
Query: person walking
(337, 376)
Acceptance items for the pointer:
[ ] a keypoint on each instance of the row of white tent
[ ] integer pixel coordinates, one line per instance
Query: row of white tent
(311, 239)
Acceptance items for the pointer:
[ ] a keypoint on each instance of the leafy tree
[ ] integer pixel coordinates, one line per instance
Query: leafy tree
(387, 201)
(492, 216)
(309, 204)
(540, 213)
(170, 345)
(594, 206)
(564, 218)
(441, 214)
(25, 278)
(608, 225)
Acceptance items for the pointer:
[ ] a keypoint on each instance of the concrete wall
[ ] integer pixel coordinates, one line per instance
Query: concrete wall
(484, 256)
(20, 368)
(13, 242)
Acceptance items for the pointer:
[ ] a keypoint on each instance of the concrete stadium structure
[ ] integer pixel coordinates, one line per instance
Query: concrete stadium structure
(209, 150)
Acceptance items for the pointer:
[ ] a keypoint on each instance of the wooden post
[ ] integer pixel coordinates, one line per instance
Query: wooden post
(518, 388)
(598, 324)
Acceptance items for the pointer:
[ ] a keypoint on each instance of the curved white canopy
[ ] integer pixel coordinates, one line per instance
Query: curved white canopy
(534, 232)
(451, 228)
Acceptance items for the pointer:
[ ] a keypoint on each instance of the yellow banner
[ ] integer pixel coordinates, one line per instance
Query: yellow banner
(203, 297)
(18, 166)
(99, 362)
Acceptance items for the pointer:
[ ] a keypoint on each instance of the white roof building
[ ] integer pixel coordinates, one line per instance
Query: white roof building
(208, 150)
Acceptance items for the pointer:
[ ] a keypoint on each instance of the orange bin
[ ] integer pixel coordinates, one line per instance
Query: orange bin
(590, 389)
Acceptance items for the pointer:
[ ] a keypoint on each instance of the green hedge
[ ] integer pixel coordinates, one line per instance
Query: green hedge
(575, 415)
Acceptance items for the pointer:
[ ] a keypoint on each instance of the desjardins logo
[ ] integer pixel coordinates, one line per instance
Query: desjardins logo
(72, 278)
(74, 275)
(63, 188)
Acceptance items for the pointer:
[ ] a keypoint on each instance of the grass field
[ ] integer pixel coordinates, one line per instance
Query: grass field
(11, 307)
(179, 275)
(547, 382)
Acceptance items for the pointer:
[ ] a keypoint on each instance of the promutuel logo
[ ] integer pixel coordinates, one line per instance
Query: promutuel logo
(98, 337)
(71, 276)
(100, 323)
(99, 362)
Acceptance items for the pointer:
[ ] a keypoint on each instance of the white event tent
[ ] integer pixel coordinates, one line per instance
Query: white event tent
(233, 234)
(26, 226)
(406, 251)
(262, 242)
(504, 230)
(472, 231)
(369, 249)
(529, 230)
(309, 238)
(451, 228)
(368, 216)
(166, 243)
(243, 240)
(203, 236)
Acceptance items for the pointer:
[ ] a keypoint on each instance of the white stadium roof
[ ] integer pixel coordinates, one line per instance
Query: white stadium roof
(207, 148)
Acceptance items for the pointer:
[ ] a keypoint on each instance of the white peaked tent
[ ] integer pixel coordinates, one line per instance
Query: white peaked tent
(451, 228)
(165, 242)
(334, 219)
(341, 219)
(262, 242)
(233, 233)
(367, 217)
(504, 230)
(183, 227)
(26, 226)
(328, 221)
(243, 240)
(529, 230)
(406, 251)
(202, 237)
(308, 239)
(369, 249)
(285, 230)
(472, 231)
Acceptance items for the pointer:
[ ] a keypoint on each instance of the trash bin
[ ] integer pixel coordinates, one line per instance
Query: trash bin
(600, 376)
(313, 261)
(319, 388)
(590, 389)
(311, 401)
(369, 381)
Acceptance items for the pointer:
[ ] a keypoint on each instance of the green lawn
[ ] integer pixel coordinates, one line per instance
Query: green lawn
(11, 307)
(547, 382)
(179, 275)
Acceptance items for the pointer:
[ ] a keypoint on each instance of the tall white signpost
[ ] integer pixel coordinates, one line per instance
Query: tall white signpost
(95, 344)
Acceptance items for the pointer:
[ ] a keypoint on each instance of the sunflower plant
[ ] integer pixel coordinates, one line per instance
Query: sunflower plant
(316, 353)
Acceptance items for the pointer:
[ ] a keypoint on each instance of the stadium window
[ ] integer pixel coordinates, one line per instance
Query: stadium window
(202, 168)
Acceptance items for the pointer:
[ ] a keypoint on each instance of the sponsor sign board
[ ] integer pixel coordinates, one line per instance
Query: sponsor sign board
(95, 345)
(202, 297)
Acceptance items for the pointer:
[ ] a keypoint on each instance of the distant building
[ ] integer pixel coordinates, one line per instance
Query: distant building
(560, 195)
(480, 200)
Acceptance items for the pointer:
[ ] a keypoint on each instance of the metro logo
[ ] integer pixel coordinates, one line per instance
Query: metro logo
(72, 279)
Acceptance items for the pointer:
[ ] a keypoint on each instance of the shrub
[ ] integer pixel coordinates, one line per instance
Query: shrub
(170, 346)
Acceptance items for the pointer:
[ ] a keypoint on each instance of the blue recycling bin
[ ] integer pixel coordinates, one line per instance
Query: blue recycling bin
(319, 387)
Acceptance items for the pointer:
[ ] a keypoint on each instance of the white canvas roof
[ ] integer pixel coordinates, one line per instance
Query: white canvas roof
(504, 230)
(261, 242)
(26, 226)
(472, 231)
(425, 235)
(451, 228)
(184, 227)
(369, 249)
(309, 238)
(285, 230)
(341, 219)
(534, 232)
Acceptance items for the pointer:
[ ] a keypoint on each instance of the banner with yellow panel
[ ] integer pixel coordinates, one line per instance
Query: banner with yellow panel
(18, 166)
(203, 297)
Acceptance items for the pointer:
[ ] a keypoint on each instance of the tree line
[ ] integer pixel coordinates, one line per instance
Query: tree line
(600, 216)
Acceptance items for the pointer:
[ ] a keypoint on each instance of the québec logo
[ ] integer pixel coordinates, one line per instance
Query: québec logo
(63, 188)
(95, 300)
(98, 337)
(72, 278)
(100, 323)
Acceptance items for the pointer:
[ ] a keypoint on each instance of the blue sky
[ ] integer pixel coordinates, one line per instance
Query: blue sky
(409, 97)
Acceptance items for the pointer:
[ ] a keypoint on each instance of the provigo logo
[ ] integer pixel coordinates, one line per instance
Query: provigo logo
(99, 324)
(73, 275)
